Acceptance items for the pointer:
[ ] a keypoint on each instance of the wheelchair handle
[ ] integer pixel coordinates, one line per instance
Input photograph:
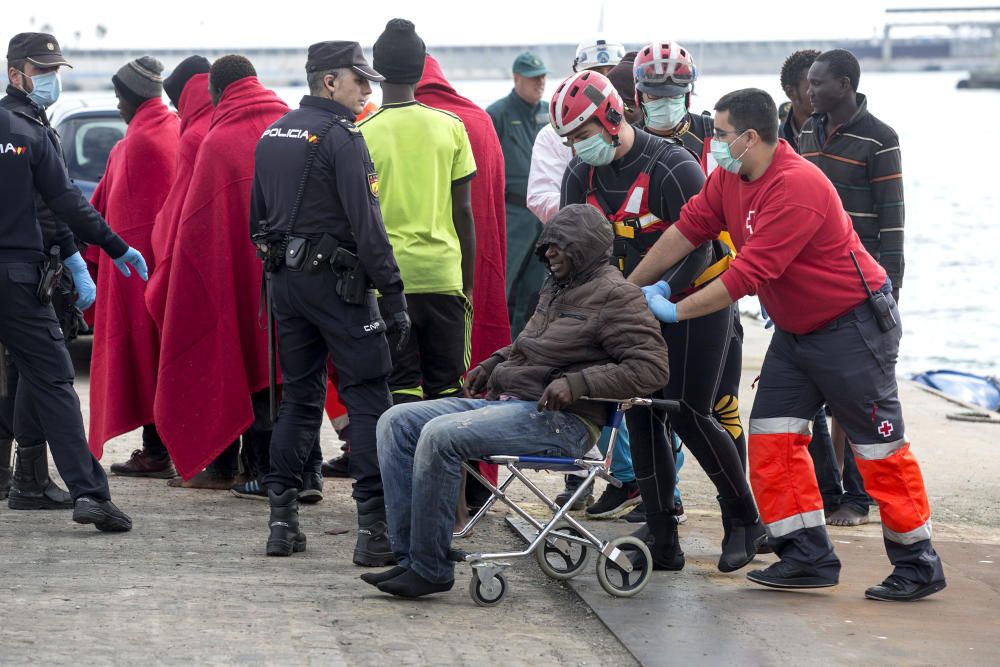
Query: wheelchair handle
(626, 403)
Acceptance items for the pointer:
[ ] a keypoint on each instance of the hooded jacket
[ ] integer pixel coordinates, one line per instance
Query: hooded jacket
(595, 329)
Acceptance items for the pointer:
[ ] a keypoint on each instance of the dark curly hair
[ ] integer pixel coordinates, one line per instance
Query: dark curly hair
(797, 66)
(229, 69)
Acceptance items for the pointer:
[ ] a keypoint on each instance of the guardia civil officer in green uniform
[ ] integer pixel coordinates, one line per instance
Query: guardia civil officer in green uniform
(517, 119)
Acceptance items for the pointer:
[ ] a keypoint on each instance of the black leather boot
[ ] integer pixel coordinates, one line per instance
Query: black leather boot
(373, 549)
(744, 533)
(5, 448)
(660, 535)
(285, 537)
(32, 489)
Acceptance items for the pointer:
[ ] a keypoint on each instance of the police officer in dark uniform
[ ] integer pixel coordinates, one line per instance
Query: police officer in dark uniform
(315, 218)
(33, 62)
(29, 329)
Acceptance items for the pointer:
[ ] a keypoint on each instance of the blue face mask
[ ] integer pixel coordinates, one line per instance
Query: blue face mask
(595, 151)
(665, 113)
(46, 88)
(722, 155)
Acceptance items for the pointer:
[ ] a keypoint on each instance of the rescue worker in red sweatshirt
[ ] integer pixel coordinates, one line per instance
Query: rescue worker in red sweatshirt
(836, 338)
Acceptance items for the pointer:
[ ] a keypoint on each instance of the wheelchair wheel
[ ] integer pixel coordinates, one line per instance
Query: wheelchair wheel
(487, 593)
(562, 559)
(614, 579)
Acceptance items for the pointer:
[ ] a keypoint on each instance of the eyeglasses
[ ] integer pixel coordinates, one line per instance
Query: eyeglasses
(569, 141)
(722, 134)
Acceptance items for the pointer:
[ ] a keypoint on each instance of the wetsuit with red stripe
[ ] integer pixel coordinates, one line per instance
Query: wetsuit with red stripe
(645, 191)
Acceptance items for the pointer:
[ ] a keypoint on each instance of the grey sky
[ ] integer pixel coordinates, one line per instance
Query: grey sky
(199, 23)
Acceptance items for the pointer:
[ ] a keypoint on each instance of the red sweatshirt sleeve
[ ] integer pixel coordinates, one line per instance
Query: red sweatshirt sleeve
(780, 232)
(701, 217)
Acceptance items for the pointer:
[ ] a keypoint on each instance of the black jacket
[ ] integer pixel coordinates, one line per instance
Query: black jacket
(340, 197)
(54, 232)
(862, 160)
(30, 164)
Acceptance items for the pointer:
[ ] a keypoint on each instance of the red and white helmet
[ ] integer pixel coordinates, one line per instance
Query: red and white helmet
(597, 53)
(664, 69)
(583, 96)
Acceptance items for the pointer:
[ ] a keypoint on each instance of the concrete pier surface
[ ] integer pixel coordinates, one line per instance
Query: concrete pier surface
(191, 585)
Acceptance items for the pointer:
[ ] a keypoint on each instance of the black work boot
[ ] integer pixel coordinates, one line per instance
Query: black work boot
(660, 535)
(744, 532)
(32, 489)
(285, 537)
(373, 549)
(312, 487)
(5, 448)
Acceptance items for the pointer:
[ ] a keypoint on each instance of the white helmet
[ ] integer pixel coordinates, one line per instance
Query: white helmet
(598, 53)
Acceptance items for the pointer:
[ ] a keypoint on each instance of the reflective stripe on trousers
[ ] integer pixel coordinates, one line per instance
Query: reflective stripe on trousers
(783, 477)
(893, 478)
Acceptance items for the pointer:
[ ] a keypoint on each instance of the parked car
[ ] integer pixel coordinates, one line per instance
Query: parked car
(89, 128)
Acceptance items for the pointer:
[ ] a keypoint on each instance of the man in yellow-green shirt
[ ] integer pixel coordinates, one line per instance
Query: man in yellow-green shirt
(425, 167)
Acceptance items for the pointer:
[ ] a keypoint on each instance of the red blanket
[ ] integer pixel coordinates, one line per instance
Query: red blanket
(195, 109)
(123, 367)
(214, 351)
(490, 324)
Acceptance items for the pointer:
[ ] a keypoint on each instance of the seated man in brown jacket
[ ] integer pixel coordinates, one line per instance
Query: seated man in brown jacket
(591, 335)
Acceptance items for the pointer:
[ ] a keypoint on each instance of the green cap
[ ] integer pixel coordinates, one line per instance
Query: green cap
(529, 65)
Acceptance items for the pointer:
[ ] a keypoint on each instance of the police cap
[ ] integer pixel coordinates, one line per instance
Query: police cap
(331, 55)
(38, 48)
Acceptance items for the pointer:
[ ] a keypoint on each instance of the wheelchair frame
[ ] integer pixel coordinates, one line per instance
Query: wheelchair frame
(624, 564)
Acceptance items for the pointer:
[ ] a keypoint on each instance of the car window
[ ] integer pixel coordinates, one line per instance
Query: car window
(87, 141)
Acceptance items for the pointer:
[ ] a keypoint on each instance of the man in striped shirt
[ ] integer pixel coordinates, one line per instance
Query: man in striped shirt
(860, 155)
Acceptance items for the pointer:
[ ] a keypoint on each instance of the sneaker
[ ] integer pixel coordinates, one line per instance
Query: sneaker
(679, 515)
(144, 464)
(252, 489)
(572, 484)
(637, 515)
(103, 514)
(784, 574)
(337, 467)
(615, 500)
(312, 488)
(898, 589)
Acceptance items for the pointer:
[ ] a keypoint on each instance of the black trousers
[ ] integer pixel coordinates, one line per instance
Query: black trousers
(314, 323)
(34, 340)
(437, 354)
(698, 350)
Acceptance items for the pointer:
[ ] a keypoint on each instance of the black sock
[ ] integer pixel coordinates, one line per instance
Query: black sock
(376, 578)
(411, 585)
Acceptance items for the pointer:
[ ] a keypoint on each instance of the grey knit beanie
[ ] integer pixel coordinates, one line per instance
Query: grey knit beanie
(142, 77)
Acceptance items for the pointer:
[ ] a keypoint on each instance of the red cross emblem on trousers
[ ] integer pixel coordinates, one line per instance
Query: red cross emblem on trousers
(885, 428)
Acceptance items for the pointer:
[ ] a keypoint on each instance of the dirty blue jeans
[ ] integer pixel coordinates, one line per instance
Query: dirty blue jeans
(421, 447)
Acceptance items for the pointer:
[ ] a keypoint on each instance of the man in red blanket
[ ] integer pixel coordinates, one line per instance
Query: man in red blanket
(490, 325)
(214, 351)
(187, 88)
(138, 177)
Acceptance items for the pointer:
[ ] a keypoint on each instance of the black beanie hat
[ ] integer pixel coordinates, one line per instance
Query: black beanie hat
(174, 84)
(399, 53)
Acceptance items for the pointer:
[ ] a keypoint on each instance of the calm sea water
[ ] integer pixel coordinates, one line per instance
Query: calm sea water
(950, 143)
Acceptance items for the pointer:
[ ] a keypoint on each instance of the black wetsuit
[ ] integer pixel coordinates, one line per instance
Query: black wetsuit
(698, 348)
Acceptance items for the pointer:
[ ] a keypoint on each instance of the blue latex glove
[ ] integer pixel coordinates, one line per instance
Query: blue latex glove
(661, 288)
(768, 322)
(86, 291)
(662, 309)
(135, 258)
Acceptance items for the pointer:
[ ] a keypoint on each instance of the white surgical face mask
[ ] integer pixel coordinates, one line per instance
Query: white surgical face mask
(665, 113)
